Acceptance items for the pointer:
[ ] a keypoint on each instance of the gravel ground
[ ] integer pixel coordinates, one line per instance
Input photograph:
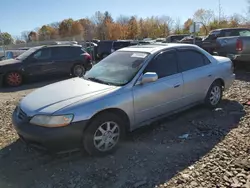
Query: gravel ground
(196, 148)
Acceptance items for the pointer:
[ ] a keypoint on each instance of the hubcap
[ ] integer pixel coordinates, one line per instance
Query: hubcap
(79, 70)
(14, 79)
(215, 95)
(106, 136)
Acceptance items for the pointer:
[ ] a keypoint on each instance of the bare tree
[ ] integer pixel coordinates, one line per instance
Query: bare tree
(168, 22)
(203, 16)
(25, 35)
(123, 20)
(178, 26)
(55, 25)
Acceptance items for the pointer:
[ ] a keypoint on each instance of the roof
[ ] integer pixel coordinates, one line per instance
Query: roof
(236, 28)
(152, 48)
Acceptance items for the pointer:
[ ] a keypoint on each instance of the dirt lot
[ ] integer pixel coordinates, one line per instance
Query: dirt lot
(197, 148)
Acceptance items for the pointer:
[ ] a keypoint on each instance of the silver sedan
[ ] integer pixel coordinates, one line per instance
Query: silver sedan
(130, 88)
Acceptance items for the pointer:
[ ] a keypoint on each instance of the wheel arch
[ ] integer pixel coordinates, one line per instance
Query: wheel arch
(220, 80)
(117, 111)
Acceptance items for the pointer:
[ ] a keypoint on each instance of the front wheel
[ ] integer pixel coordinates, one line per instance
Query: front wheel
(13, 79)
(103, 134)
(214, 95)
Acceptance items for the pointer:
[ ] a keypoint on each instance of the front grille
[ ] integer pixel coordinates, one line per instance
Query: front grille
(21, 114)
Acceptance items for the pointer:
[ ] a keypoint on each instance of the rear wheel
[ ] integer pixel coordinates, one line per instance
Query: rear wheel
(13, 79)
(103, 134)
(78, 70)
(214, 95)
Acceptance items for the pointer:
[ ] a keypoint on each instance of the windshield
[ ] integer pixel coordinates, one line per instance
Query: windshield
(118, 68)
(25, 54)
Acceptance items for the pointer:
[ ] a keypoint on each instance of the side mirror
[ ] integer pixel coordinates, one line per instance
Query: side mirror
(149, 77)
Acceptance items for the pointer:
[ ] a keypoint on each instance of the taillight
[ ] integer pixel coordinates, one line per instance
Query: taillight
(239, 45)
(87, 57)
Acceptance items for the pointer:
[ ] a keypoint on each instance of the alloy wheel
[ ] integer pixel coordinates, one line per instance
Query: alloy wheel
(215, 95)
(14, 79)
(106, 136)
(79, 70)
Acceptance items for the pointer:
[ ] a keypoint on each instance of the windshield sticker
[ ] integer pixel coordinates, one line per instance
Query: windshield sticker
(139, 55)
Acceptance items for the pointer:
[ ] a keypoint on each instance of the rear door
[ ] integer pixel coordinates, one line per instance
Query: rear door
(39, 63)
(197, 73)
(162, 96)
(65, 57)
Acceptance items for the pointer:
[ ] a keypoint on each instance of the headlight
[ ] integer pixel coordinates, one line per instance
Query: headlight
(52, 121)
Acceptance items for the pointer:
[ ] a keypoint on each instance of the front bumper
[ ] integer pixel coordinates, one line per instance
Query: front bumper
(54, 140)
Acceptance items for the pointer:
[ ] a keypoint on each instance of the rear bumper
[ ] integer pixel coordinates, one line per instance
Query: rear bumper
(54, 140)
(89, 66)
(239, 57)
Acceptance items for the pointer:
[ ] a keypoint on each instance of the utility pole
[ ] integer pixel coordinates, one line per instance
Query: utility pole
(219, 11)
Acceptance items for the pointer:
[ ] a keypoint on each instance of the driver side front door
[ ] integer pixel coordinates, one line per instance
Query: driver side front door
(39, 63)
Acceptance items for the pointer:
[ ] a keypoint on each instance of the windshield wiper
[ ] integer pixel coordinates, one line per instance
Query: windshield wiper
(97, 80)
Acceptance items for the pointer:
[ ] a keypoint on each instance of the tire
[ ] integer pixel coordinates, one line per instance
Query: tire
(97, 140)
(214, 95)
(78, 70)
(13, 79)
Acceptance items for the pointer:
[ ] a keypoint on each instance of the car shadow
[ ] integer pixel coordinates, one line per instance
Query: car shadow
(34, 84)
(150, 155)
(242, 74)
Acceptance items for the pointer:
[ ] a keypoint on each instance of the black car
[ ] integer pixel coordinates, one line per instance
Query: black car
(107, 47)
(45, 60)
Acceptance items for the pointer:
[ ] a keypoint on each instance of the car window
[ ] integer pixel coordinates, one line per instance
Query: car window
(66, 52)
(43, 54)
(206, 60)
(245, 33)
(190, 59)
(164, 64)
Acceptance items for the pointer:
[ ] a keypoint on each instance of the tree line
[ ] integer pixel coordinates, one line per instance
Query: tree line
(104, 27)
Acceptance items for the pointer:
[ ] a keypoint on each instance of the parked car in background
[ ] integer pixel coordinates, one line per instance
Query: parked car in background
(90, 47)
(8, 54)
(209, 43)
(45, 60)
(160, 40)
(236, 46)
(130, 88)
(175, 38)
(121, 44)
(190, 40)
(106, 47)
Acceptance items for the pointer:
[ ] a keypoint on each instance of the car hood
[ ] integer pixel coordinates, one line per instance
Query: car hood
(9, 62)
(53, 97)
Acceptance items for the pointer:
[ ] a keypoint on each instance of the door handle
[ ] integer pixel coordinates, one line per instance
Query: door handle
(177, 85)
(209, 75)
